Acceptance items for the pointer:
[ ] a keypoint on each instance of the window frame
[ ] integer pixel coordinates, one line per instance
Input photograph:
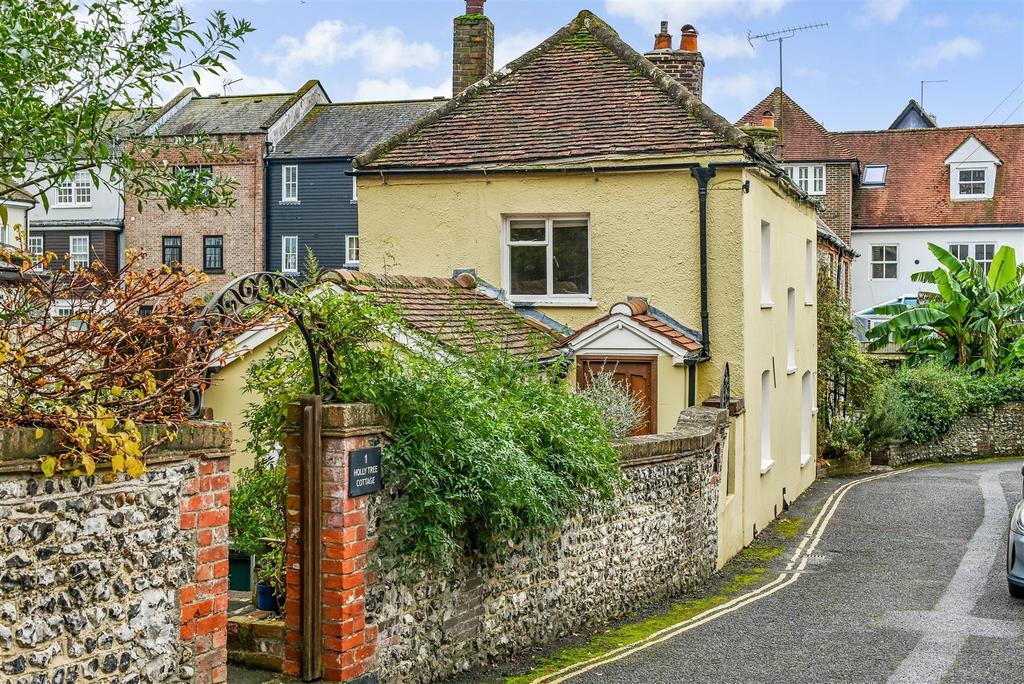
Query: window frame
(811, 284)
(988, 182)
(895, 262)
(81, 182)
(986, 264)
(284, 253)
(355, 190)
(767, 301)
(206, 251)
(808, 174)
(349, 239)
(791, 366)
(864, 183)
(767, 454)
(285, 197)
(163, 251)
(42, 245)
(76, 262)
(580, 299)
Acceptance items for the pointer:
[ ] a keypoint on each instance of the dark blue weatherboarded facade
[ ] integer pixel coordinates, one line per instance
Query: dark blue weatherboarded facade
(311, 204)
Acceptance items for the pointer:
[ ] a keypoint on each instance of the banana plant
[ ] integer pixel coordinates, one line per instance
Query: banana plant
(975, 321)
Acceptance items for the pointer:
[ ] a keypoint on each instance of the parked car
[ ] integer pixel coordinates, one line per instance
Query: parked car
(1015, 551)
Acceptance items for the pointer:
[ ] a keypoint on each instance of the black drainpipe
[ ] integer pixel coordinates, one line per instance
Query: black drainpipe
(703, 174)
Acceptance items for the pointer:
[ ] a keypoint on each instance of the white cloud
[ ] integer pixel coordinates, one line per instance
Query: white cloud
(885, 11)
(234, 80)
(381, 50)
(724, 45)
(746, 87)
(945, 51)
(398, 89)
(515, 46)
(649, 12)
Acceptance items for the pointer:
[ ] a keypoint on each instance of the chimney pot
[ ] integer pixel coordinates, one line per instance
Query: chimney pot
(689, 41)
(663, 40)
(475, 6)
(768, 119)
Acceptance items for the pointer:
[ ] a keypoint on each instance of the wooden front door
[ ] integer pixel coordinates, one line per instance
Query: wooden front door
(637, 373)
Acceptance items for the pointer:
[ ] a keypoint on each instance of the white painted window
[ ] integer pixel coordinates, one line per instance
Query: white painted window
(972, 171)
(791, 330)
(35, 245)
(884, 262)
(62, 311)
(811, 266)
(351, 249)
(983, 254)
(970, 183)
(75, 192)
(355, 190)
(547, 257)
(79, 248)
(806, 418)
(290, 183)
(290, 253)
(808, 177)
(766, 422)
(874, 175)
(960, 251)
(766, 264)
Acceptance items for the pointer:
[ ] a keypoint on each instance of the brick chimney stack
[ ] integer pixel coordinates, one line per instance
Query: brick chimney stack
(473, 47)
(686, 64)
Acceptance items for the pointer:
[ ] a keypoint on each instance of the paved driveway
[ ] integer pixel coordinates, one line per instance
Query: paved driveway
(906, 583)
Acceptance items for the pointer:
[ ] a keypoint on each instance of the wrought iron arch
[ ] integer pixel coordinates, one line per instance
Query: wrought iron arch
(249, 297)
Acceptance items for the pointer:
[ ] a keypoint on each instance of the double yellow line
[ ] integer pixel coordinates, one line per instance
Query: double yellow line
(795, 567)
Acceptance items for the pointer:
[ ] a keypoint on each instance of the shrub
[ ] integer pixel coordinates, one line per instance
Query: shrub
(258, 513)
(487, 448)
(620, 409)
(917, 405)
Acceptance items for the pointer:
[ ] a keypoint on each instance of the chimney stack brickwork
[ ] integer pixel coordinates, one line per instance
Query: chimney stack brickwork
(473, 49)
(686, 64)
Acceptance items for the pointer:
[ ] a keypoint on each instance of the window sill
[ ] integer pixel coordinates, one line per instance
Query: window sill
(806, 303)
(213, 271)
(352, 265)
(353, 201)
(767, 305)
(289, 203)
(561, 303)
(766, 466)
(791, 370)
(971, 199)
(805, 459)
(72, 206)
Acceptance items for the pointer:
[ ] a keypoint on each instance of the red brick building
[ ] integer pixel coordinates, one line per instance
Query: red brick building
(226, 242)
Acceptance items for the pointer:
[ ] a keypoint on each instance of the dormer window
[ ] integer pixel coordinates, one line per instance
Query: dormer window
(972, 171)
(874, 175)
(808, 177)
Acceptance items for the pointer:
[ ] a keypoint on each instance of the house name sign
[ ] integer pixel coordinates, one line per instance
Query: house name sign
(364, 471)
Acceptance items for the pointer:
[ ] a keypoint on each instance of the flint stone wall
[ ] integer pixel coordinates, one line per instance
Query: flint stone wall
(106, 578)
(988, 433)
(658, 539)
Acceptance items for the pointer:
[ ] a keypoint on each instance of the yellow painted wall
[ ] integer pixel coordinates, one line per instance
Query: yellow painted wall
(644, 242)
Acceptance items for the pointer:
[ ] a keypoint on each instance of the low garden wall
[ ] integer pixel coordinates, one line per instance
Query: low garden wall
(107, 578)
(990, 432)
(657, 539)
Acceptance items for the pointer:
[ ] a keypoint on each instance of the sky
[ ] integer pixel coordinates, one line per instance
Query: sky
(855, 74)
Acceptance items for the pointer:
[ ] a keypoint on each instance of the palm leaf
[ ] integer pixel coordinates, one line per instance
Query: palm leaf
(1003, 270)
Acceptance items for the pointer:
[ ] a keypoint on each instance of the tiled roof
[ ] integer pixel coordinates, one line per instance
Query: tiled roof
(639, 311)
(827, 235)
(583, 93)
(916, 190)
(224, 114)
(454, 312)
(801, 136)
(349, 128)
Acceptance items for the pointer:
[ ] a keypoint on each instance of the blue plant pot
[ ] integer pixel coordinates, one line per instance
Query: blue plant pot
(265, 598)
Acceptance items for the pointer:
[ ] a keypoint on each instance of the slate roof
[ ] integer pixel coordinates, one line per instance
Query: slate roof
(454, 312)
(913, 106)
(224, 114)
(582, 93)
(801, 136)
(346, 129)
(641, 312)
(916, 190)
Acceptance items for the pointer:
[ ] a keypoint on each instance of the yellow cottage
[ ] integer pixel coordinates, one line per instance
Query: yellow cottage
(591, 187)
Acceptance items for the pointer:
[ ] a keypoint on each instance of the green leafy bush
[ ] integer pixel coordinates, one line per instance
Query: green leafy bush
(621, 410)
(258, 513)
(487, 448)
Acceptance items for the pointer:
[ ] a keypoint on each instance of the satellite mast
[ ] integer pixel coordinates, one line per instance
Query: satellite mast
(780, 36)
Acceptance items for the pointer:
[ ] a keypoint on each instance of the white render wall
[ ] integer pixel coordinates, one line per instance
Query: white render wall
(107, 204)
(914, 256)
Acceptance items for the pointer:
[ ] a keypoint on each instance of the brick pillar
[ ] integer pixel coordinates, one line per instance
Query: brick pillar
(204, 601)
(473, 47)
(349, 643)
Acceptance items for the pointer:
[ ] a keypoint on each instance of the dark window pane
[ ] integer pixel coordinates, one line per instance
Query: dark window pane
(569, 257)
(528, 272)
(172, 251)
(526, 230)
(890, 253)
(213, 253)
(876, 253)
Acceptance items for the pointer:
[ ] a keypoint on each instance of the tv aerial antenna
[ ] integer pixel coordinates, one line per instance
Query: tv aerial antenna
(780, 37)
(923, 83)
(227, 83)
